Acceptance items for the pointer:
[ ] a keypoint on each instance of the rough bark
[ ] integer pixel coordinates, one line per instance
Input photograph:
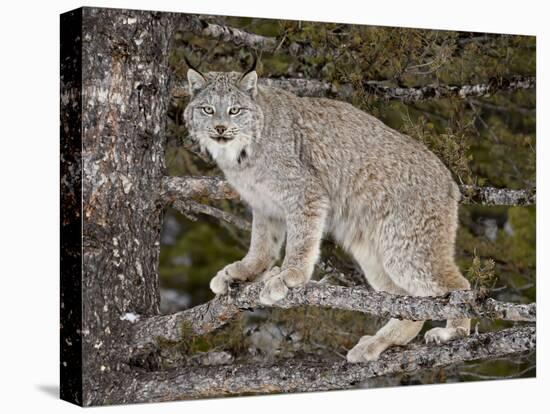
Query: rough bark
(216, 188)
(313, 87)
(236, 36)
(126, 81)
(223, 309)
(182, 188)
(300, 376)
(490, 196)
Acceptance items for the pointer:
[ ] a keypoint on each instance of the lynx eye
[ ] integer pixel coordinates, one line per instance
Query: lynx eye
(234, 110)
(208, 110)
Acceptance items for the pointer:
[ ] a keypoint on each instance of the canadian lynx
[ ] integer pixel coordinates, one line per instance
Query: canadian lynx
(309, 166)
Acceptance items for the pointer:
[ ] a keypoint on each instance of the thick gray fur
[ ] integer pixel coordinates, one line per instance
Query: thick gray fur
(309, 166)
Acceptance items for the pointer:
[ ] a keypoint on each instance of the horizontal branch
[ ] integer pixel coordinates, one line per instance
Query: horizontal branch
(223, 309)
(491, 196)
(216, 188)
(183, 188)
(420, 93)
(192, 207)
(302, 376)
(314, 87)
(240, 37)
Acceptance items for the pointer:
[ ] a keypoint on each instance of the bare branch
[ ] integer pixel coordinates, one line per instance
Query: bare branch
(233, 35)
(216, 188)
(491, 196)
(314, 87)
(302, 376)
(419, 93)
(183, 188)
(189, 206)
(222, 309)
(241, 38)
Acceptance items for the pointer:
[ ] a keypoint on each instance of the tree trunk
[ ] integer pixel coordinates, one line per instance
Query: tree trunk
(125, 89)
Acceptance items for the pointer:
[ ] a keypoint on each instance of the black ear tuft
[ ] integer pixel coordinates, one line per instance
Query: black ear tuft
(195, 78)
(190, 65)
(252, 67)
(249, 79)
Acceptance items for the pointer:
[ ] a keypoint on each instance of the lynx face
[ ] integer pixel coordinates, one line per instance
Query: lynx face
(222, 114)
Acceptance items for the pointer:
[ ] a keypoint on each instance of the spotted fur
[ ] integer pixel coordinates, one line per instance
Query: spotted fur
(309, 166)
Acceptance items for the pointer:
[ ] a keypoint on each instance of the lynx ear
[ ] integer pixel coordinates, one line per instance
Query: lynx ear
(196, 81)
(249, 83)
(249, 80)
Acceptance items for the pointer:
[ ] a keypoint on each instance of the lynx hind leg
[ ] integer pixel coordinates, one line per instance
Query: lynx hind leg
(456, 328)
(395, 332)
(418, 281)
(427, 267)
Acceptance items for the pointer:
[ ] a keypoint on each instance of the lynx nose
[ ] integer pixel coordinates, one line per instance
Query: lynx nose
(220, 129)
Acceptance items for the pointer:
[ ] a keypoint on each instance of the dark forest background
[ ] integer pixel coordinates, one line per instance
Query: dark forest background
(486, 141)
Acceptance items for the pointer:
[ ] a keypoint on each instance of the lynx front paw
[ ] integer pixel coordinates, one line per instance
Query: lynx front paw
(369, 348)
(442, 335)
(235, 272)
(219, 284)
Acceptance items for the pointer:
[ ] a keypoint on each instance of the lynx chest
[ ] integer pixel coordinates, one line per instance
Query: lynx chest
(257, 192)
